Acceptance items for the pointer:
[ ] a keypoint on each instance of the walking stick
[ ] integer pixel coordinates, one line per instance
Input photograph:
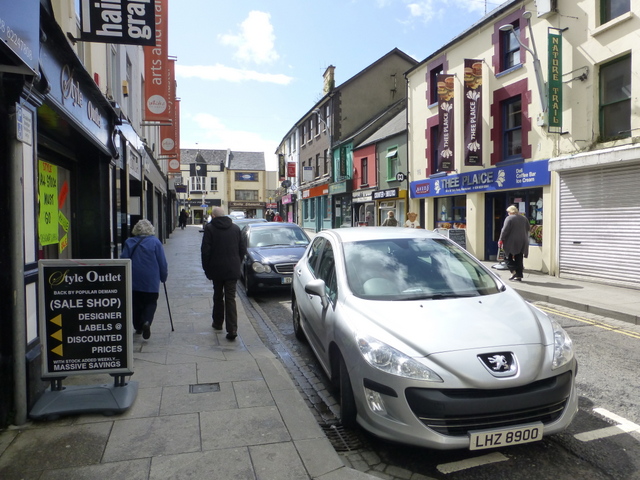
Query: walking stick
(168, 307)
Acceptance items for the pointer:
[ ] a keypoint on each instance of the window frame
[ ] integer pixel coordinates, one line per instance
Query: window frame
(602, 106)
(507, 131)
(606, 13)
(511, 54)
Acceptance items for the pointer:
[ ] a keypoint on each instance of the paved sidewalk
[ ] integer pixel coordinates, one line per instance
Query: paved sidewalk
(207, 407)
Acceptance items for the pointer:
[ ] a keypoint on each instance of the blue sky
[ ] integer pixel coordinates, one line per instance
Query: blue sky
(248, 70)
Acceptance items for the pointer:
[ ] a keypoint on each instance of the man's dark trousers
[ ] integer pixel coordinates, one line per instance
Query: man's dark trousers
(224, 305)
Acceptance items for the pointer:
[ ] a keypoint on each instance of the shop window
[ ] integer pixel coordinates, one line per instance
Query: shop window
(510, 48)
(615, 99)
(529, 203)
(246, 195)
(512, 128)
(451, 212)
(610, 9)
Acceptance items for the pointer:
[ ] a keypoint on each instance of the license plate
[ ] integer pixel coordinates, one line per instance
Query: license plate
(504, 437)
(287, 280)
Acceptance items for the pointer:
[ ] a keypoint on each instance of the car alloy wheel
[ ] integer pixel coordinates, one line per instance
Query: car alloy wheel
(348, 410)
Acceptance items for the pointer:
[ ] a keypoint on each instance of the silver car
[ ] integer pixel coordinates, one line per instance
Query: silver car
(428, 347)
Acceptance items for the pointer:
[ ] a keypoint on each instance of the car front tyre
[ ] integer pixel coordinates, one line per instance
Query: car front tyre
(348, 411)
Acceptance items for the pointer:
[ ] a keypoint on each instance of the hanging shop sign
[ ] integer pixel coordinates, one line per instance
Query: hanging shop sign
(446, 83)
(555, 81)
(85, 311)
(384, 194)
(472, 112)
(520, 175)
(127, 22)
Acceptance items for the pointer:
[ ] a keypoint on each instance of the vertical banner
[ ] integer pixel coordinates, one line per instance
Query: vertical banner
(168, 132)
(472, 112)
(555, 82)
(291, 169)
(445, 117)
(48, 203)
(156, 61)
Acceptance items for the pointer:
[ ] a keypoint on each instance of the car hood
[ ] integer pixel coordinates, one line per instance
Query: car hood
(277, 254)
(437, 326)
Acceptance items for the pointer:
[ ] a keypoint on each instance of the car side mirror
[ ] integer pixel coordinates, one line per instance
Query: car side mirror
(318, 288)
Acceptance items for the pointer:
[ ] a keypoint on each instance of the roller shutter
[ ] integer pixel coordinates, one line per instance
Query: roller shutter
(600, 225)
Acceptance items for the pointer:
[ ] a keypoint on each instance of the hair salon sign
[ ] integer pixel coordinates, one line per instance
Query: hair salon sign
(130, 22)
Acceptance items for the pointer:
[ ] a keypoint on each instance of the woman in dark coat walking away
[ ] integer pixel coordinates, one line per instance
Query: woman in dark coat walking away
(222, 252)
(183, 218)
(149, 268)
(514, 239)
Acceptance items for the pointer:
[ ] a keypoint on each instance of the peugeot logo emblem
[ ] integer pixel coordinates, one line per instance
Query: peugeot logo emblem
(500, 364)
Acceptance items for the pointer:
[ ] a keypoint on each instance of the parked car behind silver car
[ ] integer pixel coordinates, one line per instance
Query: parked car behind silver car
(426, 345)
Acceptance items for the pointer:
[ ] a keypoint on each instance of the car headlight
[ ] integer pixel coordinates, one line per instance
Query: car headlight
(389, 360)
(562, 346)
(260, 268)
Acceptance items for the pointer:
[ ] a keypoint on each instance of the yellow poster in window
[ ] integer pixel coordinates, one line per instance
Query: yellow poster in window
(48, 200)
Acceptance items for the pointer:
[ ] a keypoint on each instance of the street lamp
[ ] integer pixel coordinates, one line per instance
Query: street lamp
(534, 53)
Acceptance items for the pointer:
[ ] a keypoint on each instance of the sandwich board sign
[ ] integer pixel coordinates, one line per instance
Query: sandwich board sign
(85, 328)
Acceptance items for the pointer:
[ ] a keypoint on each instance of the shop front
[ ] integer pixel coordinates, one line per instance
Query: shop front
(340, 194)
(390, 200)
(316, 208)
(250, 209)
(477, 202)
(364, 208)
(60, 180)
(289, 207)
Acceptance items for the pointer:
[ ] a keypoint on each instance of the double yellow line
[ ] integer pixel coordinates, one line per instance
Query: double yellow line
(602, 325)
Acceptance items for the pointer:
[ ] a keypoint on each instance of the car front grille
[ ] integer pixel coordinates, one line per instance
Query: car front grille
(284, 268)
(457, 412)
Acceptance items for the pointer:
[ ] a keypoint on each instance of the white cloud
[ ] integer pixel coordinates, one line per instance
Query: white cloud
(230, 74)
(256, 41)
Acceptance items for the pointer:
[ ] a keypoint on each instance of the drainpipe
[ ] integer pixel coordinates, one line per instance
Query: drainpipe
(16, 249)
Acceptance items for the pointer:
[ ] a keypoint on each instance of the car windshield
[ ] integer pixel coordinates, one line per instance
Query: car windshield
(277, 236)
(416, 268)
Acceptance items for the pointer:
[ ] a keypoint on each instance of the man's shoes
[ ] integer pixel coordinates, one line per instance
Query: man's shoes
(216, 327)
(231, 336)
(516, 279)
(146, 330)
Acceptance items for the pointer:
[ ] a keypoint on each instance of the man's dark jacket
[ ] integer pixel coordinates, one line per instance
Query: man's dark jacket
(222, 250)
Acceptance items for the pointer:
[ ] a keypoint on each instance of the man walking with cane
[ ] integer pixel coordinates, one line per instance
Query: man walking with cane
(222, 251)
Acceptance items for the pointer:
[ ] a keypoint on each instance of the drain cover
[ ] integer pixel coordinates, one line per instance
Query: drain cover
(204, 388)
(342, 440)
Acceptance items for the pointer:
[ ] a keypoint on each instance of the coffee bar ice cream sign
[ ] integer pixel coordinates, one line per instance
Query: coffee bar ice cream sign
(520, 175)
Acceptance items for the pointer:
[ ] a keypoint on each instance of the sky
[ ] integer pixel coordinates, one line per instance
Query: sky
(248, 70)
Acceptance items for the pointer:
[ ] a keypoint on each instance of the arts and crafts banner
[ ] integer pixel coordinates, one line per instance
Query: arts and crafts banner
(156, 64)
(472, 112)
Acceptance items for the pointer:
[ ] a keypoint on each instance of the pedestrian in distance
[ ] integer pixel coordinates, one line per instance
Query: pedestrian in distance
(183, 218)
(148, 269)
(390, 221)
(222, 251)
(277, 217)
(514, 240)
